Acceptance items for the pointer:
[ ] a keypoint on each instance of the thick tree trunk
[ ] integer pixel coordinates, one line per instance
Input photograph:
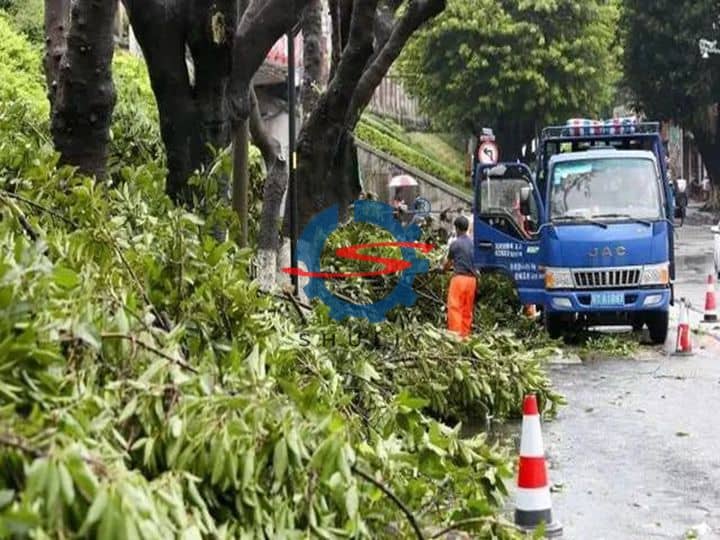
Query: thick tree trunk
(241, 179)
(313, 57)
(327, 172)
(273, 192)
(84, 96)
(511, 135)
(194, 114)
(57, 20)
(324, 136)
(164, 54)
(709, 147)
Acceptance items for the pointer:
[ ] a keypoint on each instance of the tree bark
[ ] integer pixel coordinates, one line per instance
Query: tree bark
(194, 114)
(241, 179)
(709, 147)
(324, 137)
(313, 57)
(164, 54)
(57, 20)
(83, 97)
(273, 192)
(327, 172)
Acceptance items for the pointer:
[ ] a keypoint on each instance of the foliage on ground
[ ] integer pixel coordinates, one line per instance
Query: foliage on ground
(149, 390)
(390, 139)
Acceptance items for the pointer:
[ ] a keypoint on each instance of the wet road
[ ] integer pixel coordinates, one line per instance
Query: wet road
(636, 452)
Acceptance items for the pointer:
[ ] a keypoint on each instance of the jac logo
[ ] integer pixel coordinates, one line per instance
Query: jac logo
(620, 251)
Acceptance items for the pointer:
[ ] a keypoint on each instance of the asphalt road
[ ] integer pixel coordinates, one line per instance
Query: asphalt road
(636, 452)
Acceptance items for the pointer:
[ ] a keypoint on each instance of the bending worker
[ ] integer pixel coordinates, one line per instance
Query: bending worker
(461, 295)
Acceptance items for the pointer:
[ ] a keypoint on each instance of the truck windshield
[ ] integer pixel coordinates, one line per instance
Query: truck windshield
(606, 189)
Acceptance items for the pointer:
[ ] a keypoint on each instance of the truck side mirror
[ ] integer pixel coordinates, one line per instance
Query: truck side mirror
(525, 194)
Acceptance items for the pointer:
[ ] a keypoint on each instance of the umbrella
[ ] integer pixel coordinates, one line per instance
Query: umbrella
(404, 180)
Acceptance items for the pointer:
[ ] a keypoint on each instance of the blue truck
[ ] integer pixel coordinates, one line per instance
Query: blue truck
(588, 236)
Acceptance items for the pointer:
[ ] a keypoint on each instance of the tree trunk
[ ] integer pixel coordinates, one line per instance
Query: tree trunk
(511, 135)
(241, 179)
(84, 96)
(273, 192)
(313, 57)
(57, 19)
(709, 147)
(325, 176)
(324, 135)
(194, 114)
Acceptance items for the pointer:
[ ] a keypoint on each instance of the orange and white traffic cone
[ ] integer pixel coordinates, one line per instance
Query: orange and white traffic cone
(532, 500)
(710, 304)
(683, 344)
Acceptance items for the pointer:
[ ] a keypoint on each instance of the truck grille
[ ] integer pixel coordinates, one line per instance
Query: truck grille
(607, 278)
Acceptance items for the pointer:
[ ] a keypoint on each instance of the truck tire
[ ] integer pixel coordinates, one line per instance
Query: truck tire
(657, 323)
(554, 324)
(638, 323)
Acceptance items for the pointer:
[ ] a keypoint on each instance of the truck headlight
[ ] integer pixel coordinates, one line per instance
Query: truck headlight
(656, 274)
(558, 278)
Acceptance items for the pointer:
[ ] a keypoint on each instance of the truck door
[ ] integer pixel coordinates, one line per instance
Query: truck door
(505, 239)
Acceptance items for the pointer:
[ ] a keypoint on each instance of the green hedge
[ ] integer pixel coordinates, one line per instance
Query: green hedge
(386, 143)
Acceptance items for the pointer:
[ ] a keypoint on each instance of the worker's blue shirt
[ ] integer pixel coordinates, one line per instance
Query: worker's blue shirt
(461, 254)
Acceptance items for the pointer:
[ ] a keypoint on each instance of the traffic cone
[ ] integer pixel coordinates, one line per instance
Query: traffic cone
(532, 500)
(530, 311)
(710, 304)
(683, 344)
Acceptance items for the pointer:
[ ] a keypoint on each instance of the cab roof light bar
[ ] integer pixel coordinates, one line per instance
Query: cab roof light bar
(582, 128)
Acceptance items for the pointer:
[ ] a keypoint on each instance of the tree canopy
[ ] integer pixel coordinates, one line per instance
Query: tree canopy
(665, 72)
(514, 66)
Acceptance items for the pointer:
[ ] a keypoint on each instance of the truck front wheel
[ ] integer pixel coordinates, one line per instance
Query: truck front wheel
(657, 323)
(554, 324)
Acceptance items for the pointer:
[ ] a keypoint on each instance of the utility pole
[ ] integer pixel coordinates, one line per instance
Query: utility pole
(292, 158)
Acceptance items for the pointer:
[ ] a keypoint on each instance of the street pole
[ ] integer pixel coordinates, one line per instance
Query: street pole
(292, 184)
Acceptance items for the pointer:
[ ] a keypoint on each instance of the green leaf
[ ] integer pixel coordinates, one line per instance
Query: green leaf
(280, 462)
(95, 512)
(248, 467)
(66, 484)
(88, 334)
(65, 278)
(351, 501)
(6, 497)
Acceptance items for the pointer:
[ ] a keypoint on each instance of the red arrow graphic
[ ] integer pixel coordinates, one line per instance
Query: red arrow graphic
(390, 266)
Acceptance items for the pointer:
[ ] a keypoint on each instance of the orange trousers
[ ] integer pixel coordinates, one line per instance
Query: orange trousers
(461, 303)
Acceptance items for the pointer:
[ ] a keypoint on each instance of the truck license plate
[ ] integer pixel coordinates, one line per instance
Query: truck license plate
(607, 299)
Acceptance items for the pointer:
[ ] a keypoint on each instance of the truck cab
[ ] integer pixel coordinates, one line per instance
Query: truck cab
(589, 236)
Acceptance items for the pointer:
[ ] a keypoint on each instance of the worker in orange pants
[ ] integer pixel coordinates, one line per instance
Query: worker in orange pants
(461, 295)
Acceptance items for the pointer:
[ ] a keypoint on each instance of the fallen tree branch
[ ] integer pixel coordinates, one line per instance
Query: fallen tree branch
(394, 498)
(458, 525)
(297, 306)
(24, 223)
(11, 441)
(160, 317)
(38, 207)
(138, 342)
